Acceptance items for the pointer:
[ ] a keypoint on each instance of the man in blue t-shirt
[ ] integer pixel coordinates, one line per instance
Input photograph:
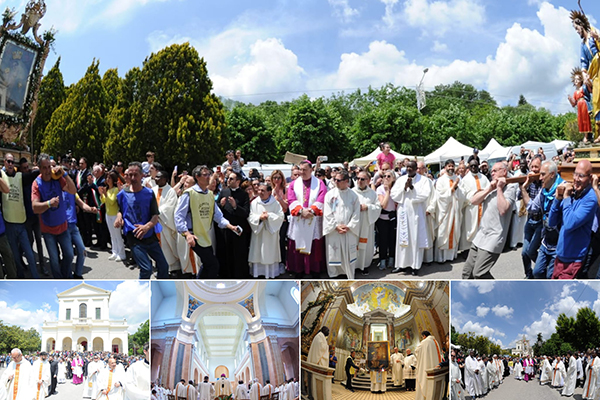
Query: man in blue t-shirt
(138, 216)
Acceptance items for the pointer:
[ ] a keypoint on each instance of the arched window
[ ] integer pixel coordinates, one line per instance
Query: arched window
(83, 310)
(295, 294)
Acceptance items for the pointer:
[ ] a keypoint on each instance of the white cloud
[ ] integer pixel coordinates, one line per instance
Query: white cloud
(567, 289)
(482, 287)
(545, 325)
(479, 330)
(502, 311)
(389, 17)
(440, 16)
(496, 341)
(568, 306)
(131, 300)
(439, 47)
(482, 311)
(343, 11)
(18, 315)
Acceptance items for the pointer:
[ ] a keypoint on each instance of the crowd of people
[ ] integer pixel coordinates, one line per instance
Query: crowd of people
(223, 223)
(207, 390)
(102, 375)
(476, 376)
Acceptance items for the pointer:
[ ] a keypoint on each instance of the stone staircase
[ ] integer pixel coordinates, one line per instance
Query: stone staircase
(363, 382)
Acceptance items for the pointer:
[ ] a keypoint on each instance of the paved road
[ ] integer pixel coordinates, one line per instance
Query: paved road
(514, 389)
(66, 391)
(509, 266)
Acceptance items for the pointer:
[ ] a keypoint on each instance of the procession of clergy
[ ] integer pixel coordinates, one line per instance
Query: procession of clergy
(222, 387)
(563, 373)
(23, 380)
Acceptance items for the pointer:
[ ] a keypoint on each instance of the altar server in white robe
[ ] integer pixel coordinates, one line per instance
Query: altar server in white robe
(558, 373)
(266, 217)
(571, 378)
(167, 198)
(410, 370)
(223, 386)
(471, 372)
(429, 356)
(369, 213)
(41, 376)
(19, 373)
(137, 378)
(492, 376)
(448, 197)
(411, 192)
(110, 381)
(206, 391)
(241, 391)
(470, 184)
(592, 374)
(255, 390)
(546, 376)
(341, 217)
(518, 370)
(94, 369)
(456, 389)
(397, 366)
(319, 349)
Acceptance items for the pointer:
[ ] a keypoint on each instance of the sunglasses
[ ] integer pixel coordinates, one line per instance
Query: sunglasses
(361, 179)
(339, 180)
(9, 161)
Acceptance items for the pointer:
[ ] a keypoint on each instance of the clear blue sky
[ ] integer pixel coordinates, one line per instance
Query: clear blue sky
(258, 50)
(504, 311)
(27, 304)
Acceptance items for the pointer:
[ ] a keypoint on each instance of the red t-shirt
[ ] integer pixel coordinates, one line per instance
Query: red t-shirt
(37, 196)
(382, 158)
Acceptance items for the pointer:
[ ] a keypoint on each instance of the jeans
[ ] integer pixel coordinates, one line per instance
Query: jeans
(141, 254)
(32, 226)
(17, 237)
(7, 259)
(210, 264)
(79, 248)
(544, 265)
(532, 239)
(66, 247)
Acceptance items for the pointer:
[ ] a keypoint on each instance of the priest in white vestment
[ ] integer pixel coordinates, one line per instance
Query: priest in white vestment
(456, 388)
(558, 373)
(41, 376)
(397, 360)
(190, 391)
(546, 375)
(266, 217)
(267, 389)
(241, 391)
(429, 356)
(137, 378)
(179, 390)
(483, 376)
(448, 197)
(369, 213)
(341, 218)
(319, 349)
(206, 390)
(518, 370)
(255, 390)
(411, 192)
(470, 184)
(592, 374)
(110, 381)
(571, 378)
(223, 386)
(492, 376)
(20, 373)
(166, 199)
(471, 372)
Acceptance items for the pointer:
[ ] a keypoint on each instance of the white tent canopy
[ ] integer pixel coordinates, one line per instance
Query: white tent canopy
(366, 160)
(452, 149)
(549, 148)
(561, 144)
(493, 150)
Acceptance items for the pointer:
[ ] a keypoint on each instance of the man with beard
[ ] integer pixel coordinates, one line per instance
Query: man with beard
(448, 214)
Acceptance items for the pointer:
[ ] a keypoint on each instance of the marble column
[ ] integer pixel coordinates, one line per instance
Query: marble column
(277, 361)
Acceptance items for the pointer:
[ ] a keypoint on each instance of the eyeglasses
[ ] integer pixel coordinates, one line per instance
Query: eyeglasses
(339, 180)
(388, 176)
(361, 179)
(276, 177)
(578, 175)
(205, 174)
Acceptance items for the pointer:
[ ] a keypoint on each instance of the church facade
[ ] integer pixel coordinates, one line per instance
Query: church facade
(84, 323)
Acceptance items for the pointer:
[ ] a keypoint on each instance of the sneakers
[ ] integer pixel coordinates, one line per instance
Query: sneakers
(382, 265)
(112, 257)
(119, 259)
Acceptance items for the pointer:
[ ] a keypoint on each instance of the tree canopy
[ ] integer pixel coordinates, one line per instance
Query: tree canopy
(11, 336)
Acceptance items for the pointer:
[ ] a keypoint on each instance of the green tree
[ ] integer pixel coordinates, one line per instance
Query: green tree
(51, 95)
(139, 339)
(537, 346)
(79, 124)
(312, 129)
(248, 131)
(587, 326)
(12, 336)
(172, 111)
(565, 327)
